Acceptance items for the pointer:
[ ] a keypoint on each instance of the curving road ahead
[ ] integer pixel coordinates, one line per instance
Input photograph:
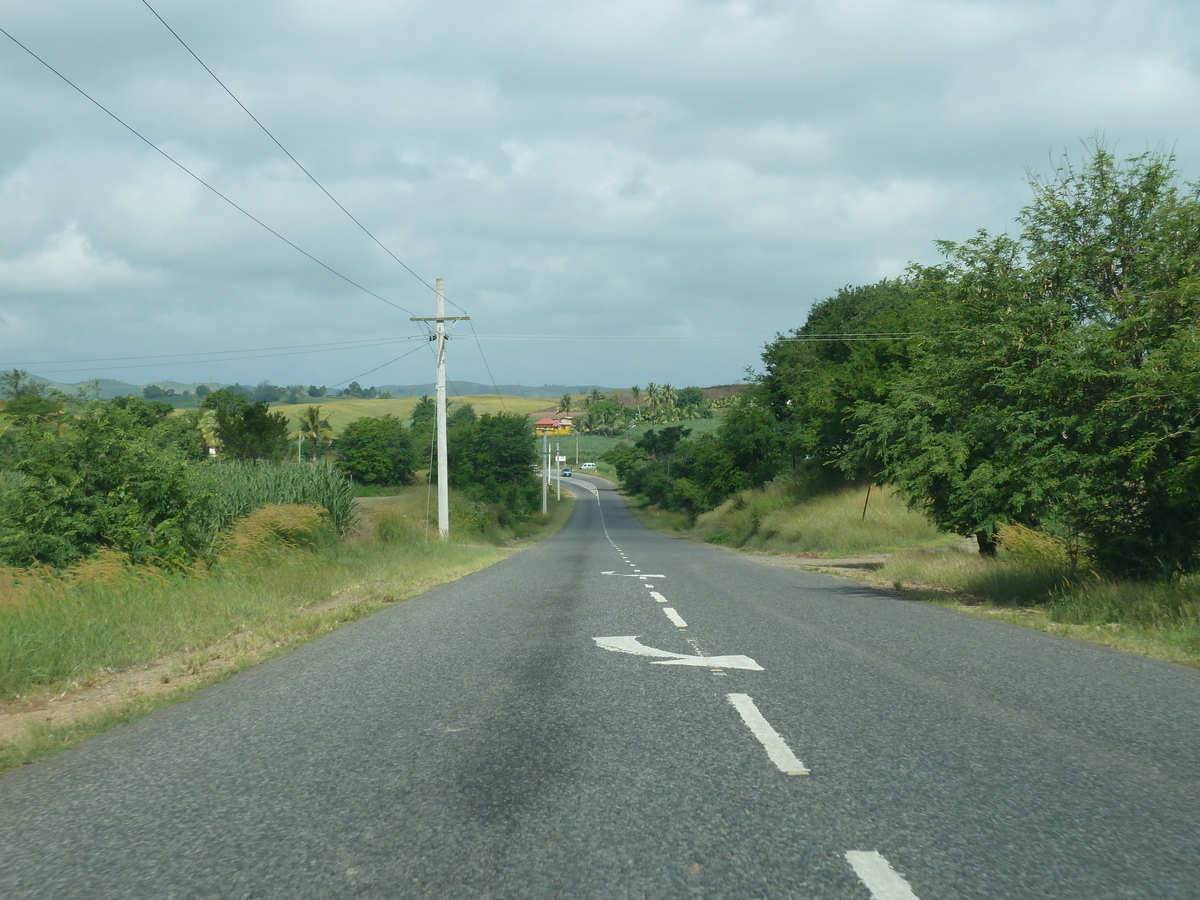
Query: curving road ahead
(618, 714)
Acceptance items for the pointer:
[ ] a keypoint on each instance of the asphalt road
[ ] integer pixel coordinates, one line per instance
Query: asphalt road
(618, 714)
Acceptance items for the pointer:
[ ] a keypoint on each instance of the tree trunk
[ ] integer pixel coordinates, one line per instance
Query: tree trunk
(987, 546)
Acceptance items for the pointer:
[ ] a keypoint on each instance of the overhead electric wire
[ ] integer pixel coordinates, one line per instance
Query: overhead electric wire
(317, 182)
(377, 368)
(748, 338)
(189, 172)
(288, 153)
(495, 386)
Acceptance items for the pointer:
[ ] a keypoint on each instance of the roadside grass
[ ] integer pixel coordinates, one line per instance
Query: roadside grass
(1160, 620)
(1037, 581)
(786, 517)
(658, 519)
(165, 634)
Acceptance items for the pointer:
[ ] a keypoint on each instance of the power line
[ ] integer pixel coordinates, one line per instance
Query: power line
(745, 338)
(495, 386)
(287, 152)
(189, 172)
(377, 368)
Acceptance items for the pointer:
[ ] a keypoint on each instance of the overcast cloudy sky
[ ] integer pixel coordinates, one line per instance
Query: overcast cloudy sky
(690, 175)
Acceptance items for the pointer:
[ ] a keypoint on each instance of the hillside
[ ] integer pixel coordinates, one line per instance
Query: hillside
(342, 412)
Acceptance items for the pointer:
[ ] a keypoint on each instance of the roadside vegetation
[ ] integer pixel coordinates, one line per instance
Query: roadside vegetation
(91, 645)
(1030, 391)
(134, 537)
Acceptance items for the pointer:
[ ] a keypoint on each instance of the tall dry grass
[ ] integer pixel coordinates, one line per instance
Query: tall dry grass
(785, 517)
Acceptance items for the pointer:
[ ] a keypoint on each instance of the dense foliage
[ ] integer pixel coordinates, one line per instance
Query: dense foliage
(376, 450)
(493, 458)
(1051, 379)
(245, 429)
(127, 476)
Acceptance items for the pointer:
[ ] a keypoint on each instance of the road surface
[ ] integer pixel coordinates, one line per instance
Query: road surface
(616, 714)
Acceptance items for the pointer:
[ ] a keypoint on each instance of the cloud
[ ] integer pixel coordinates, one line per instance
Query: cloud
(68, 263)
(667, 168)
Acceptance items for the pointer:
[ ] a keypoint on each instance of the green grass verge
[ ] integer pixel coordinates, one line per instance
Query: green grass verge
(195, 629)
(1029, 585)
(1160, 620)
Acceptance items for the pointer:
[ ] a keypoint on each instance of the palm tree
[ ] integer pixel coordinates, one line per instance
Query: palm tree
(314, 427)
(637, 399)
(653, 398)
(669, 396)
(564, 405)
(207, 423)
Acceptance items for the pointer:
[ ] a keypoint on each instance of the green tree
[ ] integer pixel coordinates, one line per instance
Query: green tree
(247, 430)
(461, 414)
(26, 399)
(492, 459)
(851, 349)
(424, 414)
(375, 450)
(604, 417)
(110, 484)
(1049, 391)
(314, 427)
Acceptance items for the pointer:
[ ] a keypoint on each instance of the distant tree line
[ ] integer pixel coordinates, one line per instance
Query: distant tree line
(1049, 379)
(78, 474)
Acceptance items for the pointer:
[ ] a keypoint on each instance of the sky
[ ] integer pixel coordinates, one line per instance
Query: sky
(615, 192)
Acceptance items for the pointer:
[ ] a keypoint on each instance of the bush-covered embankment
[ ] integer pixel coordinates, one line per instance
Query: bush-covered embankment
(279, 576)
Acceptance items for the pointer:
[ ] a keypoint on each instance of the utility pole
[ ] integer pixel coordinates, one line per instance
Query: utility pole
(439, 335)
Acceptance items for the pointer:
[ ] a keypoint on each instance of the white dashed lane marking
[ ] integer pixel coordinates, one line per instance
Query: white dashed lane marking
(676, 619)
(777, 749)
(878, 875)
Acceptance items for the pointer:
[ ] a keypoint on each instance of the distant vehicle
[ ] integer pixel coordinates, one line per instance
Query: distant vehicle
(587, 465)
(566, 473)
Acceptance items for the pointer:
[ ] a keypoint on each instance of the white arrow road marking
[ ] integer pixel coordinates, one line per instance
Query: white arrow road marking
(631, 644)
(676, 618)
(776, 748)
(877, 874)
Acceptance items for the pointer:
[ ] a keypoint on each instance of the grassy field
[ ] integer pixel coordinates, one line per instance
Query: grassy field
(593, 446)
(341, 412)
(92, 647)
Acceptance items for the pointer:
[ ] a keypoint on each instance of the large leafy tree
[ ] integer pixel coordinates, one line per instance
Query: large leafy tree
(493, 458)
(1054, 387)
(852, 348)
(247, 430)
(376, 450)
